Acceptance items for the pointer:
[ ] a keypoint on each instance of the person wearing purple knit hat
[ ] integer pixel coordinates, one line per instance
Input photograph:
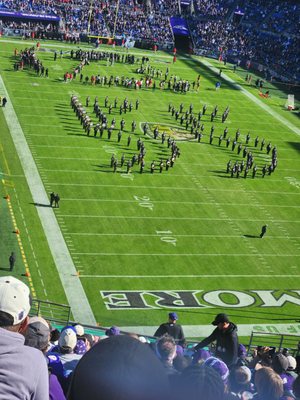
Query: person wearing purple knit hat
(113, 331)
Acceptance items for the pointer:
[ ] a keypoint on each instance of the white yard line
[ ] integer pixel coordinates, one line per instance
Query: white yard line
(171, 218)
(74, 291)
(117, 187)
(174, 202)
(155, 235)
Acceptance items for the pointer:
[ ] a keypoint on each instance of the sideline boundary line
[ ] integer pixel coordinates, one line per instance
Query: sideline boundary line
(76, 296)
(255, 100)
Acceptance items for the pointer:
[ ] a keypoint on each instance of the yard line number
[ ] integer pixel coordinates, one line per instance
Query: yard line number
(144, 201)
(165, 236)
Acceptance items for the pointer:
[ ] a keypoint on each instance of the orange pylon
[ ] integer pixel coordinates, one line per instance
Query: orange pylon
(7, 197)
(27, 273)
(17, 231)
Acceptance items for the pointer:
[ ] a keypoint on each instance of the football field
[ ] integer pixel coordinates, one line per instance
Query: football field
(127, 247)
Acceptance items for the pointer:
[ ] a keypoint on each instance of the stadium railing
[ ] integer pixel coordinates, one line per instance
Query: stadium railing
(53, 312)
(60, 315)
(278, 341)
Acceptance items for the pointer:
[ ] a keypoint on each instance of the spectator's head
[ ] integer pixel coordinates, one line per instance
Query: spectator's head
(81, 346)
(37, 333)
(79, 329)
(89, 340)
(173, 317)
(119, 367)
(292, 363)
(221, 321)
(113, 331)
(242, 351)
(280, 363)
(67, 340)
(268, 384)
(15, 302)
(200, 382)
(200, 356)
(219, 366)
(181, 362)
(240, 378)
(166, 348)
(54, 335)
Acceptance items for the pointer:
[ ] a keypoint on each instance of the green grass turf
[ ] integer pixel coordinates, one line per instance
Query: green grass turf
(203, 212)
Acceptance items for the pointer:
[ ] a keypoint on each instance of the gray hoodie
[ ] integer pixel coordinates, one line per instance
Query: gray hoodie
(23, 369)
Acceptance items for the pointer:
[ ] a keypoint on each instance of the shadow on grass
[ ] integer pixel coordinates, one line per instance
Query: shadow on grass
(294, 145)
(252, 236)
(40, 205)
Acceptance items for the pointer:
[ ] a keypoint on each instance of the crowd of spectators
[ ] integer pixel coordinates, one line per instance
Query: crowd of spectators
(285, 18)
(276, 53)
(215, 35)
(104, 18)
(256, 11)
(165, 7)
(213, 7)
(268, 33)
(42, 363)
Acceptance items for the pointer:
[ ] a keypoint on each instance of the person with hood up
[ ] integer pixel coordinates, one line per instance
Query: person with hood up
(226, 338)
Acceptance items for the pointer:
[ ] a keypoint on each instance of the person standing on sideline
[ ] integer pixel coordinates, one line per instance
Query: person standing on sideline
(56, 200)
(263, 231)
(12, 261)
(226, 338)
(52, 198)
(171, 328)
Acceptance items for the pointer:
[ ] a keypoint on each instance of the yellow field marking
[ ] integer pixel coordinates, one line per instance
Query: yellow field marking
(27, 271)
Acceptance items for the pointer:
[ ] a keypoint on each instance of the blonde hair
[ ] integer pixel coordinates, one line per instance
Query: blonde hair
(268, 384)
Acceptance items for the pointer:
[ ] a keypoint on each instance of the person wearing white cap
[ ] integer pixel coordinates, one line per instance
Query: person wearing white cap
(65, 349)
(23, 369)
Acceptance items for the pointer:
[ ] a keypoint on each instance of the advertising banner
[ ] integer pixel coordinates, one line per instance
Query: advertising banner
(24, 15)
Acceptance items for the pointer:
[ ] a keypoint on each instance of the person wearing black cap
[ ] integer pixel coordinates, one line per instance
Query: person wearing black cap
(226, 338)
(171, 328)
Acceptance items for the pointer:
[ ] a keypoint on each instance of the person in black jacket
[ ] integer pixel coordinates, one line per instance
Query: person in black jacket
(226, 338)
(171, 328)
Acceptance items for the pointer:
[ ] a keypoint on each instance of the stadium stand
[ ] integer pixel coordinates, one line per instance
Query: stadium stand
(83, 365)
(267, 35)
